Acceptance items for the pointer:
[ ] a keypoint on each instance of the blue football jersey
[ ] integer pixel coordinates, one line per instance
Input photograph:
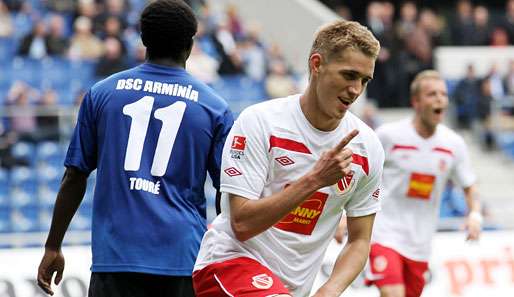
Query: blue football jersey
(152, 133)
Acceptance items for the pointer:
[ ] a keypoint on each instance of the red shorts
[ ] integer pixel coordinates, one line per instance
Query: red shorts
(388, 267)
(241, 277)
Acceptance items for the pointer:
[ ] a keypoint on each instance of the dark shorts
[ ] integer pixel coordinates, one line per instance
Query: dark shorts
(129, 284)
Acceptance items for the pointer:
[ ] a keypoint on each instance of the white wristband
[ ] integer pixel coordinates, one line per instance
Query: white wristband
(475, 215)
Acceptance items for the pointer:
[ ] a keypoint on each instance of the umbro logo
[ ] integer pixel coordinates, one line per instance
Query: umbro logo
(284, 160)
(232, 171)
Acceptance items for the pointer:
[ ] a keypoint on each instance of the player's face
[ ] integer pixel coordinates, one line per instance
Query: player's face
(341, 80)
(431, 102)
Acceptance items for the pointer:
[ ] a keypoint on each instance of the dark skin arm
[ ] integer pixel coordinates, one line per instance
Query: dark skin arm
(71, 193)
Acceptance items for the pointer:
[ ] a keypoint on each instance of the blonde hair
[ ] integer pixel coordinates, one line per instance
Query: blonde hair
(333, 38)
(415, 85)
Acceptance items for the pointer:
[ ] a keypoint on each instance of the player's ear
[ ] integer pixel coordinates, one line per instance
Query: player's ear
(315, 63)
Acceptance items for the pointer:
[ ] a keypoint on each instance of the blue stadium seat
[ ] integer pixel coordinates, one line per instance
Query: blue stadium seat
(45, 217)
(5, 219)
(24, 195)
(27, 70)
(7, 49)
(47, 195)
(56, 73)
(22, 175)
(24, 219)
(48, 149)
(4, 194)
(240, 88)
(5, 77)
(4, 188)
(23, 24)
(24, 150)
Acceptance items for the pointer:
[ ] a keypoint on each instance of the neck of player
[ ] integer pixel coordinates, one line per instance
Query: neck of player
(315, 114)
(167, 62)
(424, 130)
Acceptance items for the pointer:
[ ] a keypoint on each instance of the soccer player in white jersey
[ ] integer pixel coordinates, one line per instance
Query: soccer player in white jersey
(421, 155)
(289, 168)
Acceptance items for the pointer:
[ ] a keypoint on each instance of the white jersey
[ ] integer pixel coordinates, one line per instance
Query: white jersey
(271, 145)
(416, 171)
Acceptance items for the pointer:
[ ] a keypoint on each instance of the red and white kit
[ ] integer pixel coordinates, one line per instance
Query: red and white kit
(271, 145)
(416, 171)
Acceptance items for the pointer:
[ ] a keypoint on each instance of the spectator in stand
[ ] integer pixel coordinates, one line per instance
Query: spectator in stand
(508, 83)
(253, 55)
(499, 37)
(278, 82)
(112, 60)
(7, 140)
(481, 26)
(507, 21)
(56, 41)
(22, 120)
(33, 45)
(484, 108)
(407, 22)
(47, 118)
(87, 8)
(112, 8)
(383, 86)
(84, 44)
(234, 22)
(6, 22)
(466, 97)
(461, 27)
(420, 43)
(113, 28)
(231, 62)
(496, 81)
(205, 40)
(202, 66)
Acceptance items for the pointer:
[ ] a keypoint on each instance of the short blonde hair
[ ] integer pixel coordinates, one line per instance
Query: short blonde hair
(415, 85)
(335, 37)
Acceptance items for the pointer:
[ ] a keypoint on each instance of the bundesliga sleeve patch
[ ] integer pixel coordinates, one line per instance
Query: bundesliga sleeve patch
(237, 148)
(421, 186)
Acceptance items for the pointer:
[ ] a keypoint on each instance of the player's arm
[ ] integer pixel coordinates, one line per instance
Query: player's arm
(69, 197)
(341, 230)
(474, 219)
(250, 217)
(352, 258)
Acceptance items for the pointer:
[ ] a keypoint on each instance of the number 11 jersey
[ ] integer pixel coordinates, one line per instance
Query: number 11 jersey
(152, 133)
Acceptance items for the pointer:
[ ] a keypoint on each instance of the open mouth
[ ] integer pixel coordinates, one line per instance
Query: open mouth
(346, 102)
(438, 110)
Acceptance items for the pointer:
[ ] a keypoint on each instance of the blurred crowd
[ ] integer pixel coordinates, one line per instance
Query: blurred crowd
(408, 33)
(103, 35)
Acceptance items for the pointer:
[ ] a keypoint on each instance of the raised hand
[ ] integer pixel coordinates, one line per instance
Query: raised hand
(335, 163)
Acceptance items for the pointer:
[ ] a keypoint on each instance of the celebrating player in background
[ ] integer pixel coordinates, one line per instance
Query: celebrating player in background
(152, 133)
(290, 167)
(421, 155)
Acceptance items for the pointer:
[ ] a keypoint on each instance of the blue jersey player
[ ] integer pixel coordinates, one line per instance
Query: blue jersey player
(152, 133)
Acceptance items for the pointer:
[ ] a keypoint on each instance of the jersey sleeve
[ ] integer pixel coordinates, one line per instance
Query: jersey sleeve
(82, 151)
(222, 130)
(462, 173)
(245, 163)
(365, 200)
